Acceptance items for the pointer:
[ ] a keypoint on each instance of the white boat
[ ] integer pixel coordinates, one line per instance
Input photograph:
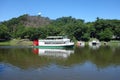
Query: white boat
(61, 53)
(54, 42)
(80, 43)
(94, 44)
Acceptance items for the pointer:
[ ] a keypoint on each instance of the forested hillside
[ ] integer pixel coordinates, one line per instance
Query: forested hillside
(34, 27)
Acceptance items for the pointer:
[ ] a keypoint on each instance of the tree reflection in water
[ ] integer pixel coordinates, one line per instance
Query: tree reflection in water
(25, 58)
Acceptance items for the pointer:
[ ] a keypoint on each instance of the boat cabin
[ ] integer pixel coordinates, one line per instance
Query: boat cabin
(55, 40)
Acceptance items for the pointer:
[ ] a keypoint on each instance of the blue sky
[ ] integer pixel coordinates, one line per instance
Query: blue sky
(87, 10)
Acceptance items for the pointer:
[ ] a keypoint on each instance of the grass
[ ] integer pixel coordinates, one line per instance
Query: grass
(17, 42)
(114, 43)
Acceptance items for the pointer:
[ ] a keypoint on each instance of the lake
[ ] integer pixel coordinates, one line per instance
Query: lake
(81, 63)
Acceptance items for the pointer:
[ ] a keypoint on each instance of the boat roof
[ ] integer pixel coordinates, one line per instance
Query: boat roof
(55, 37)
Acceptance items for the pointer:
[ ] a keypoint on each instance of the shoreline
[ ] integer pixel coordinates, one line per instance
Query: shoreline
(26, 42)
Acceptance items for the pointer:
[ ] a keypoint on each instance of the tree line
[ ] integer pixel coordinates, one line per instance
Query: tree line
(35, 27)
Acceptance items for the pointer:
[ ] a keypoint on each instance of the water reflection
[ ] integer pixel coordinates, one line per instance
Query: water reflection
(25, 58)
(58, 53)
(95, 46)
(22, 64)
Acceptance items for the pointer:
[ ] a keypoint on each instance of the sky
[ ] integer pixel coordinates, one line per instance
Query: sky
(87, 10)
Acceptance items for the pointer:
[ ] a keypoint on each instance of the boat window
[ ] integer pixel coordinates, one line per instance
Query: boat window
(54, 42)
(55, 37)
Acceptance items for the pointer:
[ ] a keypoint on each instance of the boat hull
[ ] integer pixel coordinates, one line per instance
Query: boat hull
(54, 47)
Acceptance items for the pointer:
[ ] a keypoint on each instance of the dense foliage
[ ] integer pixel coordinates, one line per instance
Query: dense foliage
(34, 27)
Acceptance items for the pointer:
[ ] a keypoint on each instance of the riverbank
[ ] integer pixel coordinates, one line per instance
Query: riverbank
(103, 43)
(26, 42)
(17, 42)
(114, 43)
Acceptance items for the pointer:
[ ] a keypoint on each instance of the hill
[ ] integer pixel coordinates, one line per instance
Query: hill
(28, 21)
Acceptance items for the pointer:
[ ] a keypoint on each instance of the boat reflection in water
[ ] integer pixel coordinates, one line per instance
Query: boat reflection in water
(61, 53)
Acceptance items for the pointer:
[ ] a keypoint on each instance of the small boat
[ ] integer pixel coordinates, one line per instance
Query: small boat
(94, 44)
(80, 43)
(53, 42)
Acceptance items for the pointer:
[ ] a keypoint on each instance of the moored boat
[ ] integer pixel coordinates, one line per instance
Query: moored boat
(94, 44)
(80, 43)
(54, 42)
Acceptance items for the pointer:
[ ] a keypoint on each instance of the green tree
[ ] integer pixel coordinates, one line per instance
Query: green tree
(59, 22)
(105, 35)
(52, 30)
(85, 37)
(4, 34)
(19, 32)
(103, 26)
(82, 33)
(117, 32)
(91, 29)
(28, 33)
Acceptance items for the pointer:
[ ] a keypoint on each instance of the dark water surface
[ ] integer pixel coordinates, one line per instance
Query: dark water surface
(24, 63)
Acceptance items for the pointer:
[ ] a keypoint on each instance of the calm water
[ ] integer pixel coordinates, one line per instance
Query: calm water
(21, 63)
